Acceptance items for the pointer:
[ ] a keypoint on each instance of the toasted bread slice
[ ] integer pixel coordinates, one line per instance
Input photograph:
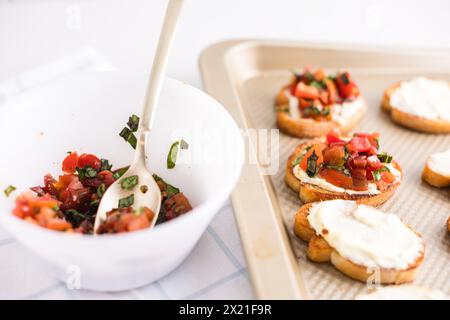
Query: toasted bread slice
(433, 177)
(320, 251)
(311, 193)
(409, 120)
(310, 128)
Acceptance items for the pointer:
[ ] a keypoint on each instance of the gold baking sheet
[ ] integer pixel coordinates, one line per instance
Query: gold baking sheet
(245, 76)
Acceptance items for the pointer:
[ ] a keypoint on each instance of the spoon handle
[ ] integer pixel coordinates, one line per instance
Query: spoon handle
(157, 74)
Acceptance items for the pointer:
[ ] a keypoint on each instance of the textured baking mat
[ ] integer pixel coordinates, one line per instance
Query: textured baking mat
(423, 207)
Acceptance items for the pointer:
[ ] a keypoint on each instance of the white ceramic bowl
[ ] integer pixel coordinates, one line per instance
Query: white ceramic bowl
(85, 113)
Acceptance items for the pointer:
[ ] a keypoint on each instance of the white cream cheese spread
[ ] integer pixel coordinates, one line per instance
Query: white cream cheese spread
(365, 235)
(322, 183)
(340, 112)
(440, 163)
(429, 99)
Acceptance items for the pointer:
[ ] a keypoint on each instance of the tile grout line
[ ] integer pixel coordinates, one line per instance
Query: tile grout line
(214, 284)
(224, 248)
(161, 290)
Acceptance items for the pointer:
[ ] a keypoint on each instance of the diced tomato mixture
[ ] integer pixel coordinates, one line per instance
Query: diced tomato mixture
(349, 164)
(317, 92)
(70, 202)
(126, 220)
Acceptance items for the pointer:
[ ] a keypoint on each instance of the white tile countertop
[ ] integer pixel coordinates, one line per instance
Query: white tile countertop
(124, 32)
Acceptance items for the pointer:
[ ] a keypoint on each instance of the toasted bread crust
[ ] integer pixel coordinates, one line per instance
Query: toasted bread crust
(448, 224)
(311, 193)
(434, 178)
(305, 127)
(409, 120)
(320, 251)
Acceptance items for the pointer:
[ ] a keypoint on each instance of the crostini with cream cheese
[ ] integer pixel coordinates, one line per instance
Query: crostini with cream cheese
(420, 104)
(360, 241)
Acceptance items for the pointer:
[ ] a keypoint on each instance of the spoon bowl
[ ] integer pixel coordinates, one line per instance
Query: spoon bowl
(145, 193)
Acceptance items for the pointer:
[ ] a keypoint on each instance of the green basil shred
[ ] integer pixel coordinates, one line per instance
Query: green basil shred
(311, 164)
(120, 172)
(9, 189)
(126, 202)
(127, 133)
(384, 157)
(129, 183)
(172, 156)
(101, 190)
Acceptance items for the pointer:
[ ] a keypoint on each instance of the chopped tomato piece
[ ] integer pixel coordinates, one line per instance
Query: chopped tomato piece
(346, 87)
(358, 144)
(324, 98)
(334, 155)
(306, 91)
(58, 224)
(319, 75)
(372, 137)
(386, 180)
(89, 160)
(317, 148)
(334, 137)
(360, 162)
(303, 103)
(176, 206)
(374, 162)
(70, 163)
(337, 178)
(359, 178)
(332, 90)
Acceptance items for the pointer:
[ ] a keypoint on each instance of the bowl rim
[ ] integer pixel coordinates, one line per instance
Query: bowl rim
(9, 221)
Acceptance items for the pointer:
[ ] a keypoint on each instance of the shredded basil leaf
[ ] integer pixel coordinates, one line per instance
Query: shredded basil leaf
(129, 137)
(311, 164)
(94, 203)
(171, 190)
(86, 172)
(172, 156)
(183, 145)
(345, 78)
(376, 175)
(296, 161)
(9, 189)
(384, 157)
(120, 172)
(105, 165)
(129, 183)
(126, 202)
(318, 84)
(101, 190)
(157, 178)
(90, 172)
(133, 123)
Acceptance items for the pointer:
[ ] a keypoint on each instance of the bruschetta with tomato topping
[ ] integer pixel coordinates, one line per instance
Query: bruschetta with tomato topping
(352, 168)
(314, 103)
(420, 104)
